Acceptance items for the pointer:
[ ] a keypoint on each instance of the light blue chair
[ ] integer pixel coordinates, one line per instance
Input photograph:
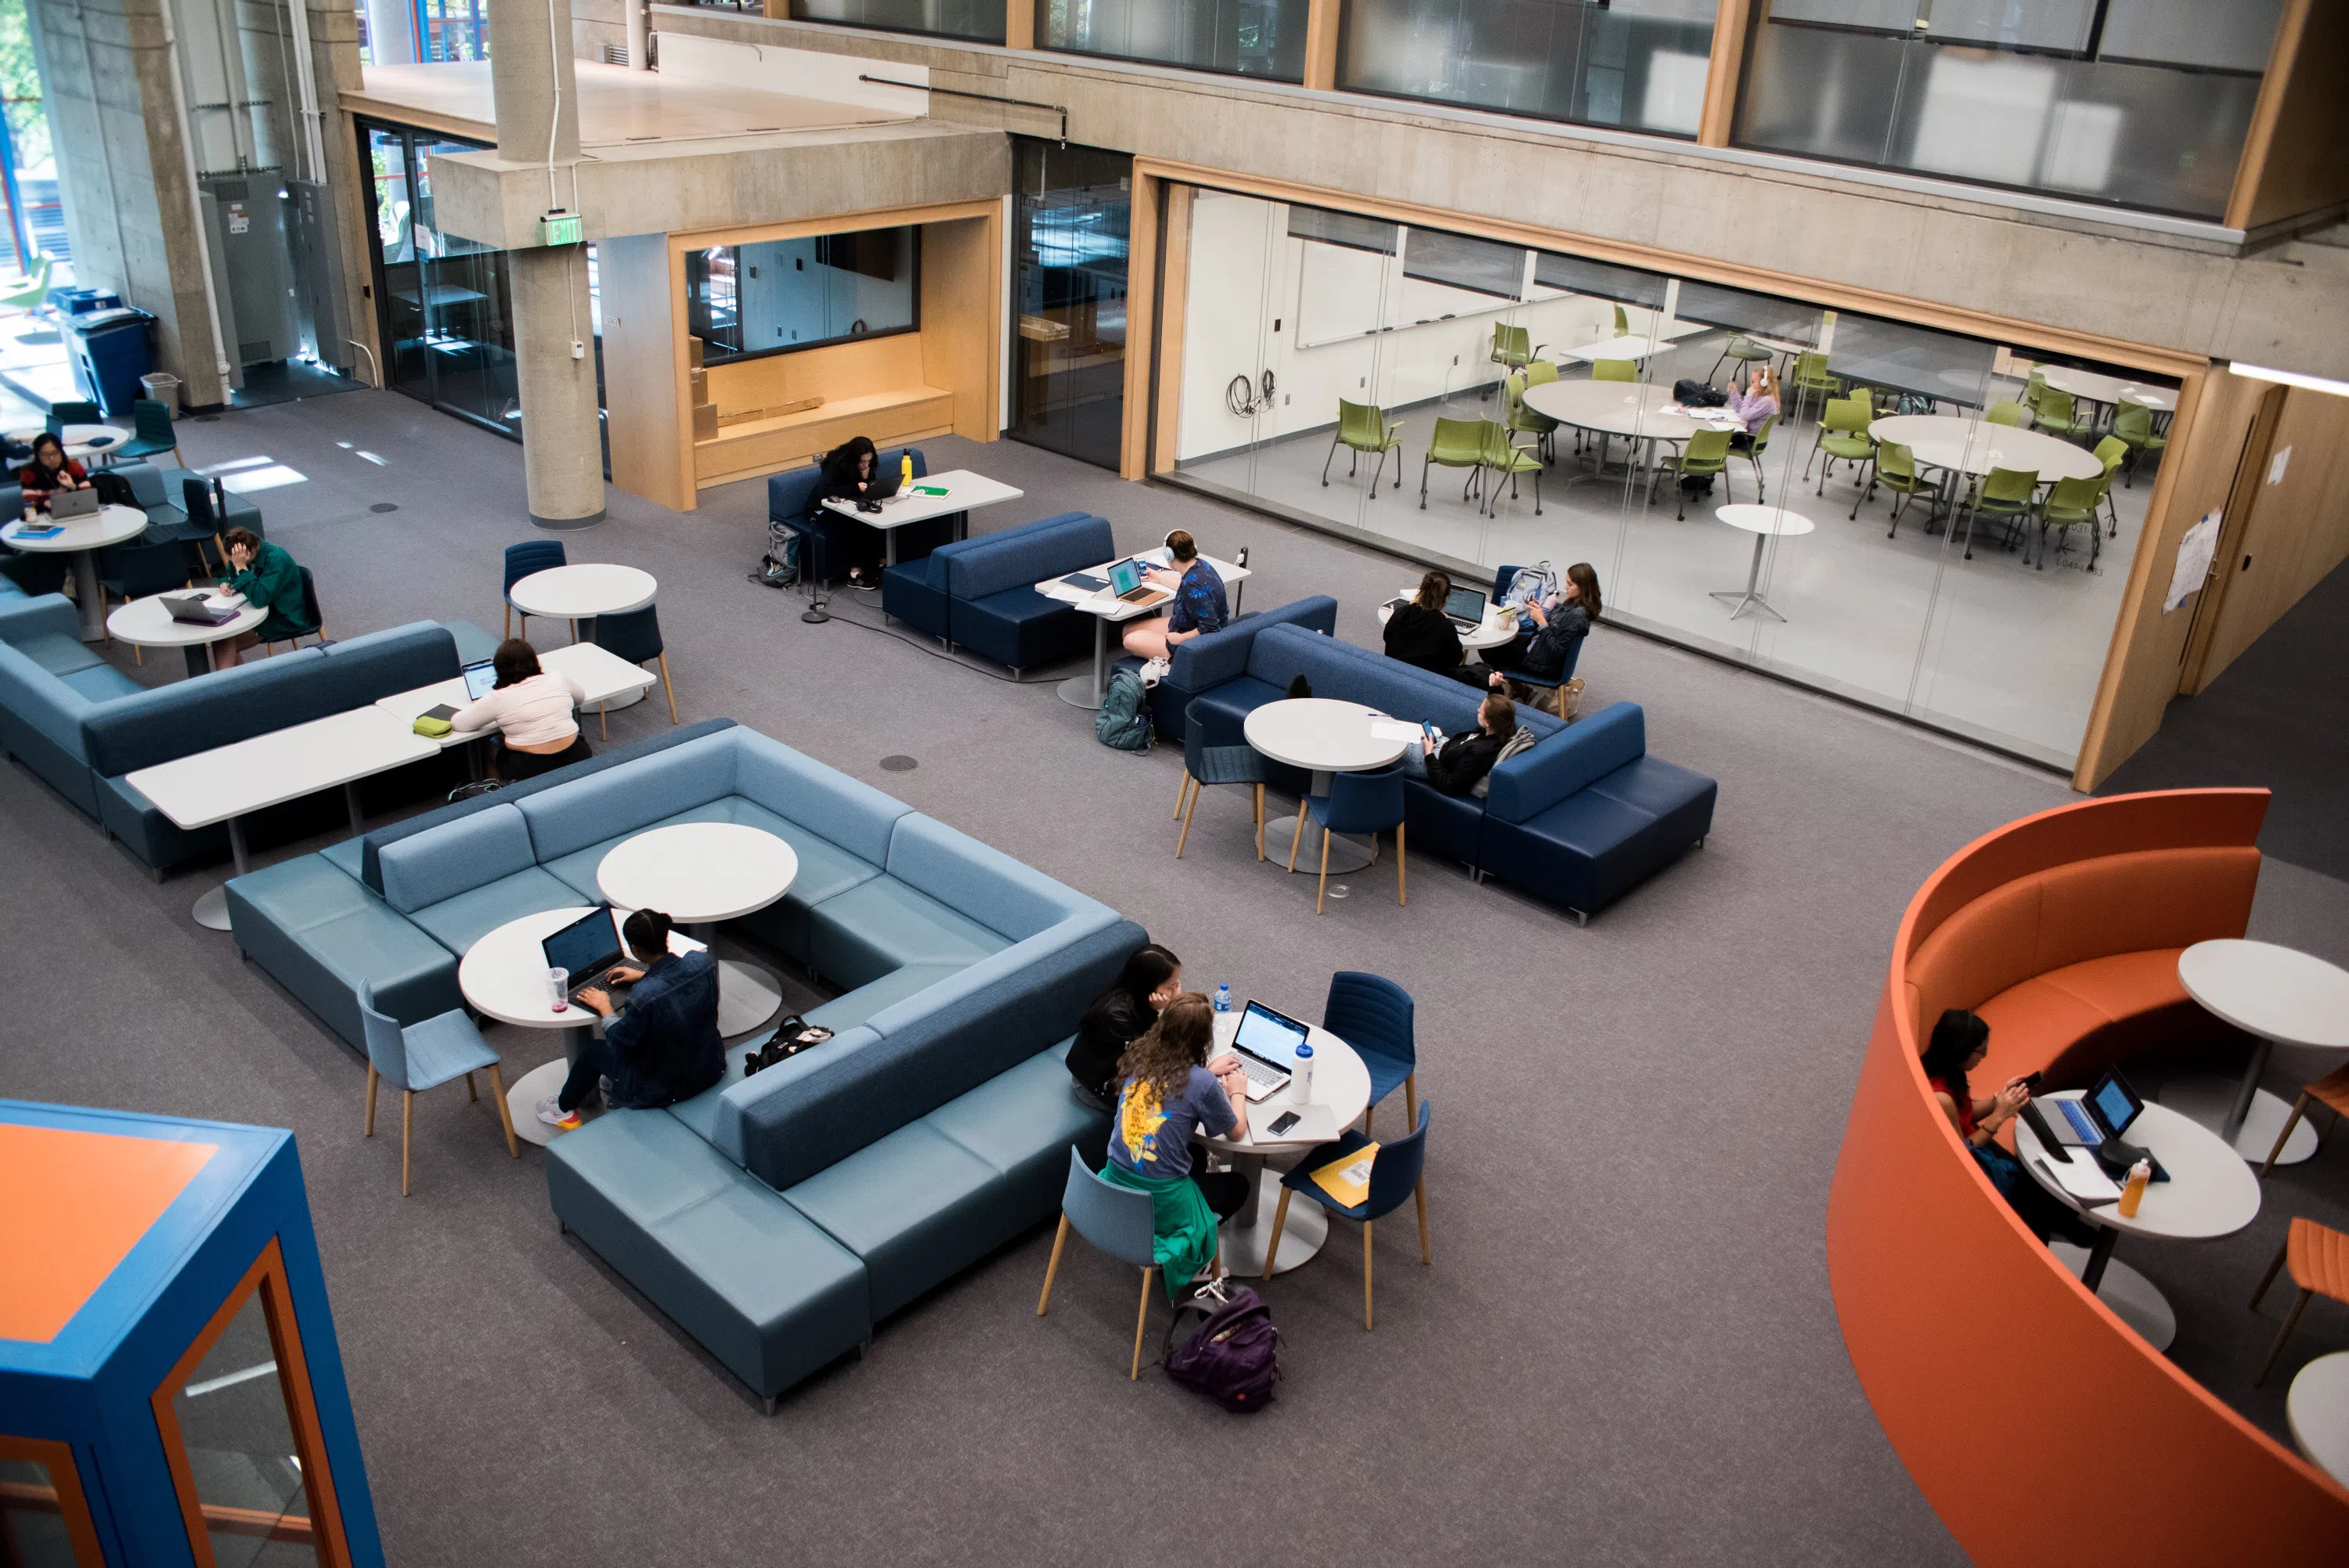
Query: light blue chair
(1375, 1015)
(1399, 1171)
(1357, 803)
(1117, 1219)
(1203, 765)
(522, 560)
(425, 1055)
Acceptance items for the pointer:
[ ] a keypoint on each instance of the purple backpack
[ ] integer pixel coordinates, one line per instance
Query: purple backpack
(1234, 1357)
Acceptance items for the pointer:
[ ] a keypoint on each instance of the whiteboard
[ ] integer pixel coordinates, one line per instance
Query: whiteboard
(1338, 292)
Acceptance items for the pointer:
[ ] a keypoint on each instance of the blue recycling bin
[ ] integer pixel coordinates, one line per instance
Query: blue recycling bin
(111, 350)
(78, 302)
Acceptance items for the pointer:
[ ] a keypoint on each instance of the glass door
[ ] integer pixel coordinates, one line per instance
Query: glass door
(44, 1517)
(1072, 210)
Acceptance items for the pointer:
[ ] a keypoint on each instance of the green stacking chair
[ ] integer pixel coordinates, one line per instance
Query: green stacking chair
(2054, 412)
(2072, 505)
(1701, 455)
(1502, 458)
(1456, 444)
(1614, 370)
(1742, 349)
(2109, 452)
(1896, 470)
(2007, 411)
(2009, 493)
(1511, 347)
(1622, 323)
(2134, 425)
(1809, 376)
(28, 293)
(153, 433)
(1541, 372)
(1522, 420)
(1754, 450)
(1364, 428)
(1843, 434)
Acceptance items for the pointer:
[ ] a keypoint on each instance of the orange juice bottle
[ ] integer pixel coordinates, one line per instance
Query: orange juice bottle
(2133, 1193)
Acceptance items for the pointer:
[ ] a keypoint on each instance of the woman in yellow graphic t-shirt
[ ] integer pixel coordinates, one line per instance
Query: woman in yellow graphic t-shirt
(1170, 1091)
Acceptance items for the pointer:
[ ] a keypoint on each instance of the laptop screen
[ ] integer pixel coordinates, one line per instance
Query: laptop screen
(1124, 577)
(585, 946)
(2115, 1103)
(1465, 605)
(1270, 1035)
(480, 680)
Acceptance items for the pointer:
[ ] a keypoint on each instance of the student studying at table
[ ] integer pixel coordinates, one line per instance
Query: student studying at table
(49, 471)
(1199, 604)
(1419, 633)
(1172, 1090)
(1151, 979)
(532, 709)
(270, 580)
(662, 1046)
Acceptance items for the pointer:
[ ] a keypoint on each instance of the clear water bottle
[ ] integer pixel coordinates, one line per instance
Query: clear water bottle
(1224, 997)
(1303, 1078)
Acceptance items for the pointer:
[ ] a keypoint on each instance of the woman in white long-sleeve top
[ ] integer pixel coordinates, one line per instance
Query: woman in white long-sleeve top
(532, 709)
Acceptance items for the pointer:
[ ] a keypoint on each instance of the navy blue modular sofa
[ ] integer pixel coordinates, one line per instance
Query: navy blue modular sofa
(777, 1218)
(980, 593)
(825, 537)
(1578, 820)
(1219, 657)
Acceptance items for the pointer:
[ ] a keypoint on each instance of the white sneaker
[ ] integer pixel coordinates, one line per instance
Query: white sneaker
(1154, 671)
(551, 1111)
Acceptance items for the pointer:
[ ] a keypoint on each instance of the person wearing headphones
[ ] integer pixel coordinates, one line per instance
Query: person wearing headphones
(663, 1045)
(1199, 604)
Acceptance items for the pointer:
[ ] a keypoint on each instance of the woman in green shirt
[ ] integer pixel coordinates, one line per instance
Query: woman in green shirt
(269, 580)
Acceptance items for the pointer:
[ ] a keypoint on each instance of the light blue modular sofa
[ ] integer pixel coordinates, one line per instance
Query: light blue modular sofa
(776, 1218)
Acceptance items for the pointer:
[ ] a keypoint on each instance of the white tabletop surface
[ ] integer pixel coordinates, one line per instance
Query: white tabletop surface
(145, 623)
(1341, 1081)
(965, 492)
(603, 675)
(1754, 518)
(2101, 389)
(1977, 445)
(2211, 1190)
(1497, 627)
(1101, 601)
(1321, 733)
(2275, 992)
(98, 438)
(505, 974)
(1621, 409)
(697, 871)
(590, 588)
(1782, 346)
(2318, 1410)
(210, 787)
(1632, 348)
(108, 525)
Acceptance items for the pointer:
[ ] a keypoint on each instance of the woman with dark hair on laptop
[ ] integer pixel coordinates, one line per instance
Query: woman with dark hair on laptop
(1171, 1090)
(532, 709)
(1960, 1042)
(1151, 979)
(1199, 604)
(49, 471)
(849, 471)
(1419, 633)
(664, 1045)
(265, 575)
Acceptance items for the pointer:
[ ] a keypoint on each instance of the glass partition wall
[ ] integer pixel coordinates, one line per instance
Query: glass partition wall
(1957, 519)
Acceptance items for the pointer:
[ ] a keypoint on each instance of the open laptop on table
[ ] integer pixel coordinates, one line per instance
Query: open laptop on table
(198, 609)
(65, 505)
(1266, 1044)
(2093, 1123)
(1129, 580)
(588, 948)
(1466, 607)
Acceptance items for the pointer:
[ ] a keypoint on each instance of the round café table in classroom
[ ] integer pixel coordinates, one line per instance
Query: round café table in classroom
(2278, 996)
(2109, 390)
(83, 538)
(146, 624)
(1765, 524)
(2211, 1193)
(699, 873)
(503, 976)
(1324, 737)
(2317, 1410)
(1343, 1083)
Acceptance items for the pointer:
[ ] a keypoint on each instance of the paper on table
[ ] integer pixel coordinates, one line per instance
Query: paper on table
(2083, 1179)
(1392, 729)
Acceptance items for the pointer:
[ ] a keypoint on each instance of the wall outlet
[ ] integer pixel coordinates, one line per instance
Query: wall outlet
(1283, 399)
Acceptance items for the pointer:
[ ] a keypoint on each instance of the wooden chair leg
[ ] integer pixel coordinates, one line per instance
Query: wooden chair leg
(2291, 1322)
(667, 685)
(1419, 1195)
(1320, 896)
(1279, 1218)
(472, 1095)
(372, 1081)
(1059, 1240)
(1297, 838)
(603, 718)
(1366, 1276)
(1411, 1096)
(509, 625)
(1259, 823)
(1185, 836)
(137, 655)
(406, 1134)
(1140, 1320)
(2268, 1278)
(1402, 894)
(1182, 795)
(506, 1111)
(1367, 1112)
(2298, 1109)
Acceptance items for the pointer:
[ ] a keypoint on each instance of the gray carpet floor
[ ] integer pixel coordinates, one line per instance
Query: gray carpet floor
(1624, 1351)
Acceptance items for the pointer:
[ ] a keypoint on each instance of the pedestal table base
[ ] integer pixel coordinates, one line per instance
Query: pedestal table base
(2208, 1098)
(2135, 1299)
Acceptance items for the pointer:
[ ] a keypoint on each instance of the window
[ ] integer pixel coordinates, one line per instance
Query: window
(1245, 38)
(777, 296)
(980, 21)
(453, 30)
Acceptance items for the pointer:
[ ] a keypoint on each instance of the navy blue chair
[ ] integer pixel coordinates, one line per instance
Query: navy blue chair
(522, 560)
(1119, 1221)
(1203, 765)
(1508, 657)
(1398, 1170)
(634, 636)
(1375, 1016)
(425, 1055)
(1357, 803)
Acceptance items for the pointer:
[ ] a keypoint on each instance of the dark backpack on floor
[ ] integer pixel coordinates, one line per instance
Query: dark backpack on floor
(1234, 1359)
(1123, 721)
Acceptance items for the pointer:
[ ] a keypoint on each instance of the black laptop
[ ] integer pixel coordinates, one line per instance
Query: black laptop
(588, 948)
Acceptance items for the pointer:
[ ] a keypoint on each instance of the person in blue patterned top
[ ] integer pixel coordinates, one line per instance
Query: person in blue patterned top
(1199, 604)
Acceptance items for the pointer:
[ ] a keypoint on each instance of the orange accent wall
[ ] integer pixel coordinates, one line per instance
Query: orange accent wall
(77, 1203)
(1954, 1314)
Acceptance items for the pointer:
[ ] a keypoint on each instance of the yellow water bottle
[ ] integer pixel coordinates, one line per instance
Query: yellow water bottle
(904, 473)
(2134, 1194)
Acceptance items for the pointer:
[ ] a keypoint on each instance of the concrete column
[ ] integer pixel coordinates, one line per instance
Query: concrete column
(538, 122)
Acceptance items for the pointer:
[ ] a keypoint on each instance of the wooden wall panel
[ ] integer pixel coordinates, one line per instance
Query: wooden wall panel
(962, 290)
(1721, 76)
(1142, 287)
(835, 372)
(1173, 302)
(2296, 534)
(1321, 21)
(2296, 156)
(641, 394)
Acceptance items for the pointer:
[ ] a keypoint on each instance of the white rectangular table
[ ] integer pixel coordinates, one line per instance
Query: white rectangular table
(965, 492)
(230, 782)
(1105, 608)
(603, 675)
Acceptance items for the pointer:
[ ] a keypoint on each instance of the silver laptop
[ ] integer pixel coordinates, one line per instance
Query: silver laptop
(73, 503)
(196, 610)
(1267, 1045)
(481, 679)
(1466, 608)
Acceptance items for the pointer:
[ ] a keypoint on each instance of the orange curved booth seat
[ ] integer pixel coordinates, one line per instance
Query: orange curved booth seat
(2063, 929)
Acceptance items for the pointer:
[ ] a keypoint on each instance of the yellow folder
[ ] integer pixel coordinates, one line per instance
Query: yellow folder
(1349, 1180)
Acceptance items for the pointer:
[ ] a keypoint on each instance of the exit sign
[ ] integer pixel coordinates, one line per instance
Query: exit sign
(560, 228)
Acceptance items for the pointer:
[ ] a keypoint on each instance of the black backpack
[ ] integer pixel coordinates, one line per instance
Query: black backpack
(1692, 394)
(1234, 1359)
(1123, 721)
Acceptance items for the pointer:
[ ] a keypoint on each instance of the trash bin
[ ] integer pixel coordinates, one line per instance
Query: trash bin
(111, 350)
(163, 387)
(80, 302)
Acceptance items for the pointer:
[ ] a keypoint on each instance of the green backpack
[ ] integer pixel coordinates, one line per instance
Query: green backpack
(1123, 721)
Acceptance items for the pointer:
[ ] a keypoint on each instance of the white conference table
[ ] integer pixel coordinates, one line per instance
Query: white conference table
(83, 538)
(699, 873)
(2317, 1410)
(1635, 347)
(605, 677)
(1324, 736)
(2109, 390)
(230, 782)
(1956, 444)
(79, 440)
(2211, 1193)
(1499, 626)
(146, 624)
(1107, 610)
(1633, 409)
(961, 491)
(503, 976)
(1765, 524)
(1343, 1083)
(2279, 996)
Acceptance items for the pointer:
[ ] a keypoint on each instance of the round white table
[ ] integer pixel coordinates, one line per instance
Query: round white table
(1343, 1083)
(83, 538)
(2109, 390)
(1323, 736)
(1497, 627)
(2211, 1193)
(699, 873)
(2317, 1409)
(2278, 996)
(1974, 446)
(580, 592)
(1765, 524)
(80, 441)
(503, 976)
(1627, 408)
(145, 623)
